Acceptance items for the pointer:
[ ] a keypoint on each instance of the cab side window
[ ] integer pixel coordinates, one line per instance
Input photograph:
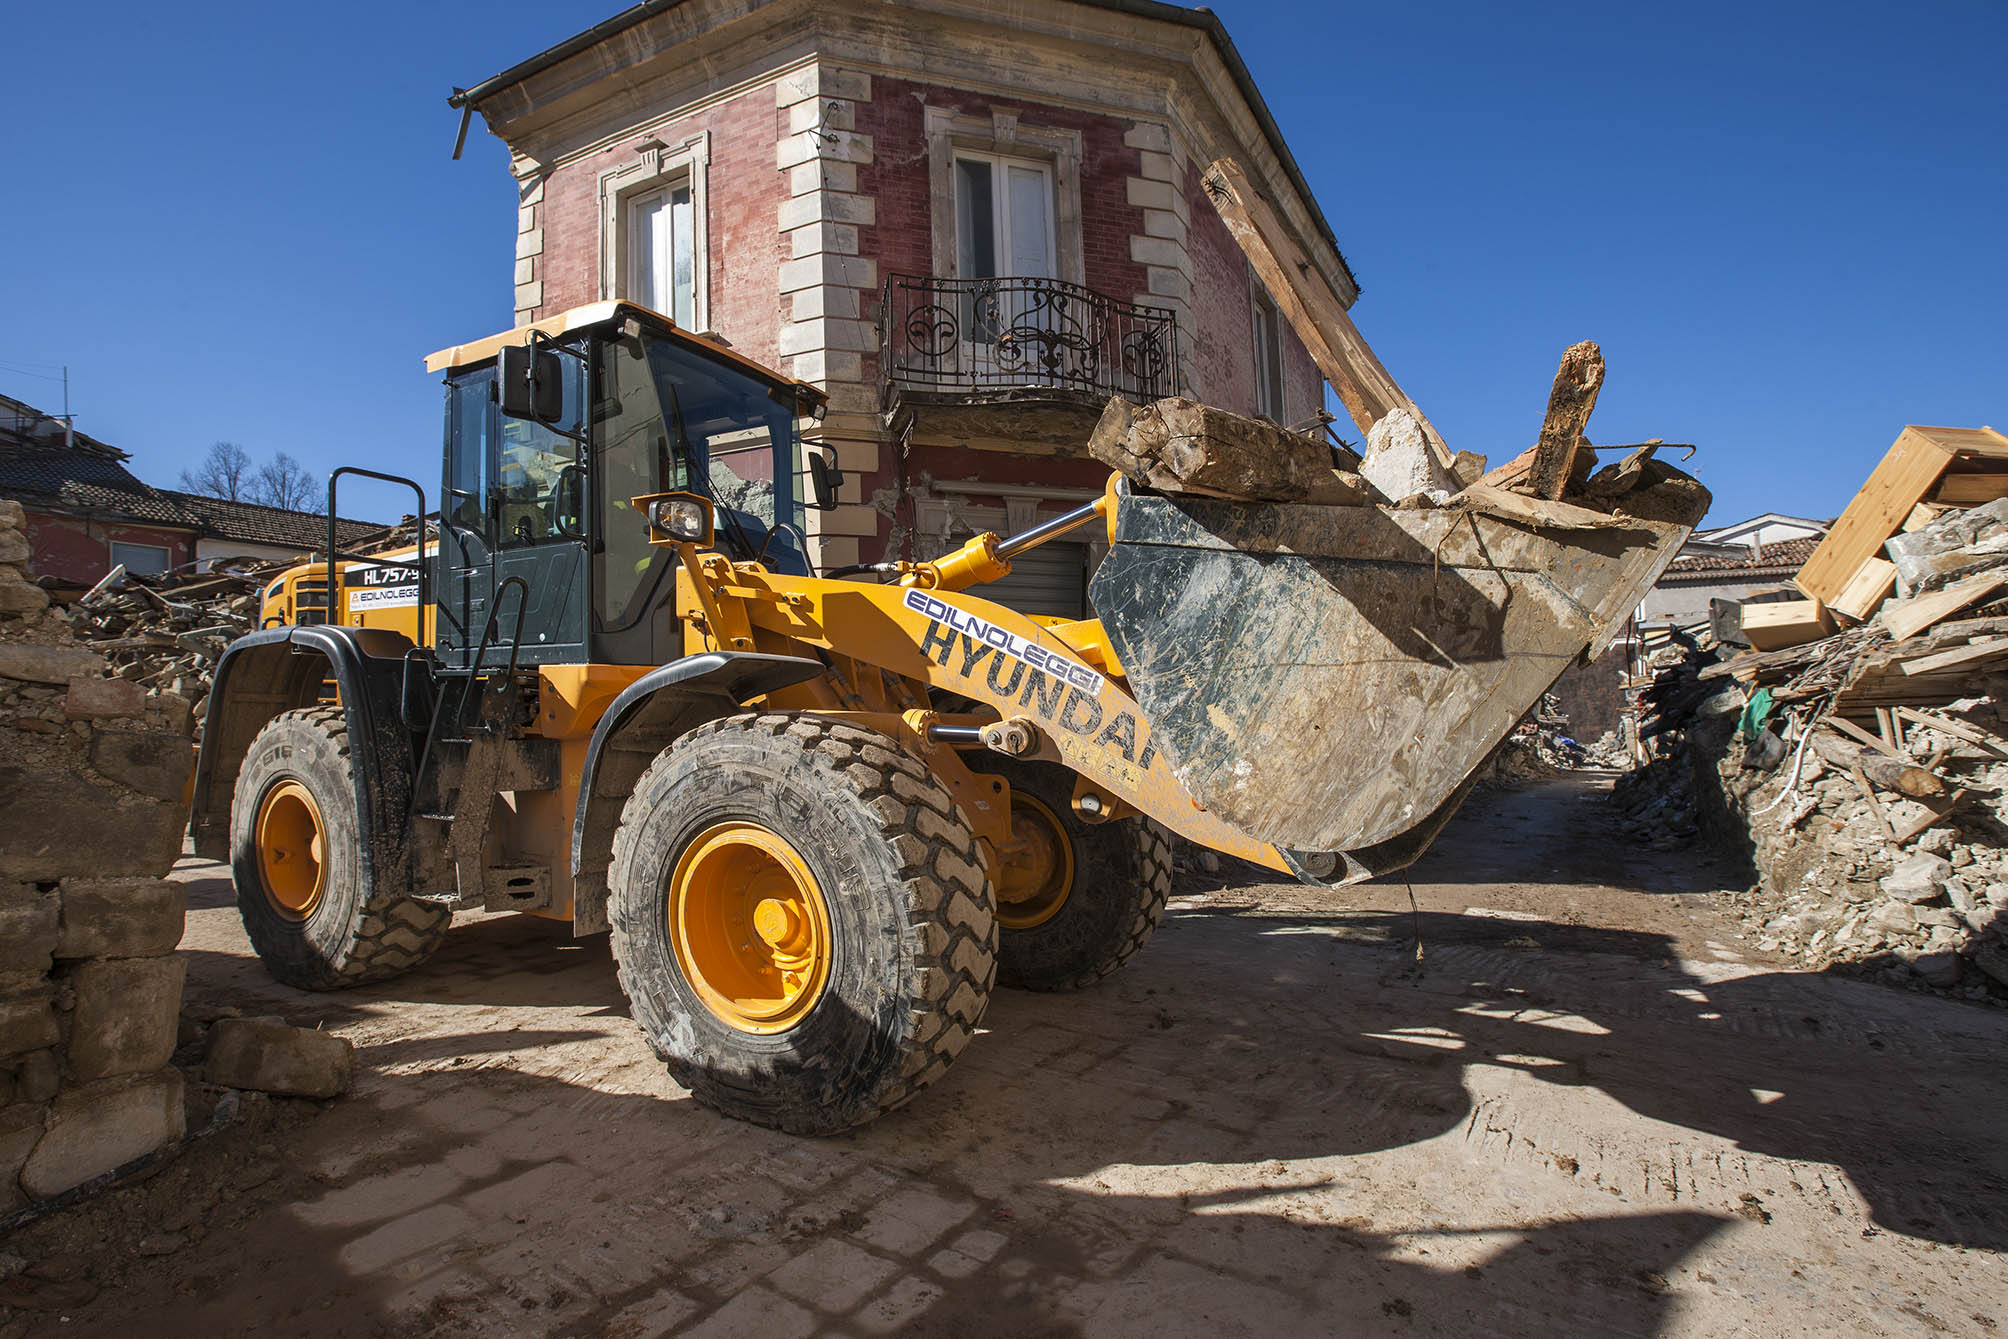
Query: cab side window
(532, 504)
(470, 430)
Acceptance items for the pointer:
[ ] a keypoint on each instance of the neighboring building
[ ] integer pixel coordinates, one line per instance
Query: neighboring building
(253, 530)
(1749, 558)
(970, 223)
(88, 513)
(86, 510)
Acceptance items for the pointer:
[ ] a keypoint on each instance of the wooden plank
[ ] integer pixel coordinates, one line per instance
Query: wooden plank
(1968, 490)
(1982, 443)
(1850, 728)
(1866, 589)
(1907, 618)
(1314, 310)
(1574, 395)
(1875, 805)
(1777, 624)
(1909, 470)
(1958, 655)
(1965, 730)
(1934, 811)
(1923, 514)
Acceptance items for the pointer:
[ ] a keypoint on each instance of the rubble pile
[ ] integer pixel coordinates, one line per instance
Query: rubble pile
(94, 773)
(1865, 772)
(167, 633)
(1538, 747)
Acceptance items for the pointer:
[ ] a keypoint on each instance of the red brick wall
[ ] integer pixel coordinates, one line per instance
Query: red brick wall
(1222, 350)
(746, 191)
(78, 552)
(903, 241)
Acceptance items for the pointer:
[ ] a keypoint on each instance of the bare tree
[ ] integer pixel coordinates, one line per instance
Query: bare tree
(283, 482)
(225, 472)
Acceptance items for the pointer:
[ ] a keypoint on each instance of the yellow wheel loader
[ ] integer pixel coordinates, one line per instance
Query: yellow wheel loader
(824, 814)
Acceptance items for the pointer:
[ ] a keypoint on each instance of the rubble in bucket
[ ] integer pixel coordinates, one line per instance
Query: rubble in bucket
(1862, 760)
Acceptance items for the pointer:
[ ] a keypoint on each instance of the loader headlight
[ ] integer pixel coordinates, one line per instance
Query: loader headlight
(677, 518)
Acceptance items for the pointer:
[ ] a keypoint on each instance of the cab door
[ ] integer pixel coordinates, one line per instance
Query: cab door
(466, 574)
(540, 529)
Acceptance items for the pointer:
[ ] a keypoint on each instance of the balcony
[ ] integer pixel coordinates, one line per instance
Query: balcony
(952, 351)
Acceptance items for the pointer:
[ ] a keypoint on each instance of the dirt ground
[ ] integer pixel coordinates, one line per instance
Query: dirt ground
(1589, 1109)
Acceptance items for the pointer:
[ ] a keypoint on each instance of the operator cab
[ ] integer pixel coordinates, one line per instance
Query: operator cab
(551, 431)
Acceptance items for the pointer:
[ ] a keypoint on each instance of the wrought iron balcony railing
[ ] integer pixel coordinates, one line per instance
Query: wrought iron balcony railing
(979, 336)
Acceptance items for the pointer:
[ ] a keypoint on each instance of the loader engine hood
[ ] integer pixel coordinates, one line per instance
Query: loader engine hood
(1327, 678)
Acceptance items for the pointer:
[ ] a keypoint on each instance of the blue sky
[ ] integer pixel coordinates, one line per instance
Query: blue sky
(1783, 222)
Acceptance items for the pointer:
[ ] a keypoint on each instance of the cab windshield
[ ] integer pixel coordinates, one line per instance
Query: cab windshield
(667, 418)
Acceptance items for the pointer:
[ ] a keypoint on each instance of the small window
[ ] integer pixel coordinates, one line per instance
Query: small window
(662, 253)
(1268, 358)
(531, 465)
(145, 560)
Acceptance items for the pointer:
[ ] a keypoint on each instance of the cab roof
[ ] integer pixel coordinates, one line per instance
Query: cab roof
(598, 314)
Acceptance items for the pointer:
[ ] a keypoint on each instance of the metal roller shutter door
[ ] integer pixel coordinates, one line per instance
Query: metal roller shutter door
(1051, 579)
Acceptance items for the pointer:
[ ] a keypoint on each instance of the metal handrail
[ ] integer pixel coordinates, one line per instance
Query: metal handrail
(334, 554)
(1007, 333)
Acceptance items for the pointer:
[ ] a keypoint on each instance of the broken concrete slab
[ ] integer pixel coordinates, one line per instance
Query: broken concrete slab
(266, 1055)
(1182, 446)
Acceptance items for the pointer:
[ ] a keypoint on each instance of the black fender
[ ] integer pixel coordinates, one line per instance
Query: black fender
(650, 714)
(275, 670)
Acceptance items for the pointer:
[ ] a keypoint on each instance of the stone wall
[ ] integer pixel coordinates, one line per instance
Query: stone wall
(94, 773)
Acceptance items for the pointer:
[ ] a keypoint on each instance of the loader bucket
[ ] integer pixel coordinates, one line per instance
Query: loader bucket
(1327, 678)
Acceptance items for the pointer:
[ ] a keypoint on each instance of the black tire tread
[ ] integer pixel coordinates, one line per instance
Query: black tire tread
(955, 963)
(392, 932)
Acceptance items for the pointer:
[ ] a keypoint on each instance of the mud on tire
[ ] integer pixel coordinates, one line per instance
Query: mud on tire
(912, 938)
(1122, 879)
(355, 934)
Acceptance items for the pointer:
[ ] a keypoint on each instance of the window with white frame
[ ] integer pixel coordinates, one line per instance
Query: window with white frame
(1004, 222)
(1268, 357)
(144, 560)
(661, 247)
(653, 244)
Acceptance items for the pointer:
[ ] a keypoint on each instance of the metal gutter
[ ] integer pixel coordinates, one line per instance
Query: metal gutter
(1203, 19)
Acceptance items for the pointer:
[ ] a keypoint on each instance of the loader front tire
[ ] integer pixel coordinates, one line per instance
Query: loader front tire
(1077, 900)
(801, 920)
(296, 860)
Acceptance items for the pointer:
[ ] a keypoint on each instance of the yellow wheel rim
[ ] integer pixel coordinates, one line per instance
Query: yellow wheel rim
(1038, 866)
(292, 850)
(750, 928)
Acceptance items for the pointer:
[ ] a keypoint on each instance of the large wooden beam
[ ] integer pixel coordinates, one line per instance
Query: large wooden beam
(1577, 382)
(1313, 309)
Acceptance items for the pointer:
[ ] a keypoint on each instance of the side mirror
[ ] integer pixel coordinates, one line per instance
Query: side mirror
(824, 481)
(532, 382)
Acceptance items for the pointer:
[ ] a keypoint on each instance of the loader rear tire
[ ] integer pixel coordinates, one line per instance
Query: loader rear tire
(296, 860)
(801, 920)
(1101, 901)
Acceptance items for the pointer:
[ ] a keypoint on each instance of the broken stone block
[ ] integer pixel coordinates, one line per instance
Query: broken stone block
(1917, 879)
(1940, 970)
(37, 1077)
(55, 665)
(50, 819)
(18, 595)
(1895, 916)
(20, 1131)
(119, 918)
(1993, 960)
(27, 928)
(12, 516)
(14, 547)
(27, 1019)
(104, 699)
(152, 762)
(125, 1017)
(1398, 460)
(266, 1055)
(102, 1126)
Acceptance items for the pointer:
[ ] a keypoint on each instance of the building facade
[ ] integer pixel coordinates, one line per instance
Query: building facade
(970, 224)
